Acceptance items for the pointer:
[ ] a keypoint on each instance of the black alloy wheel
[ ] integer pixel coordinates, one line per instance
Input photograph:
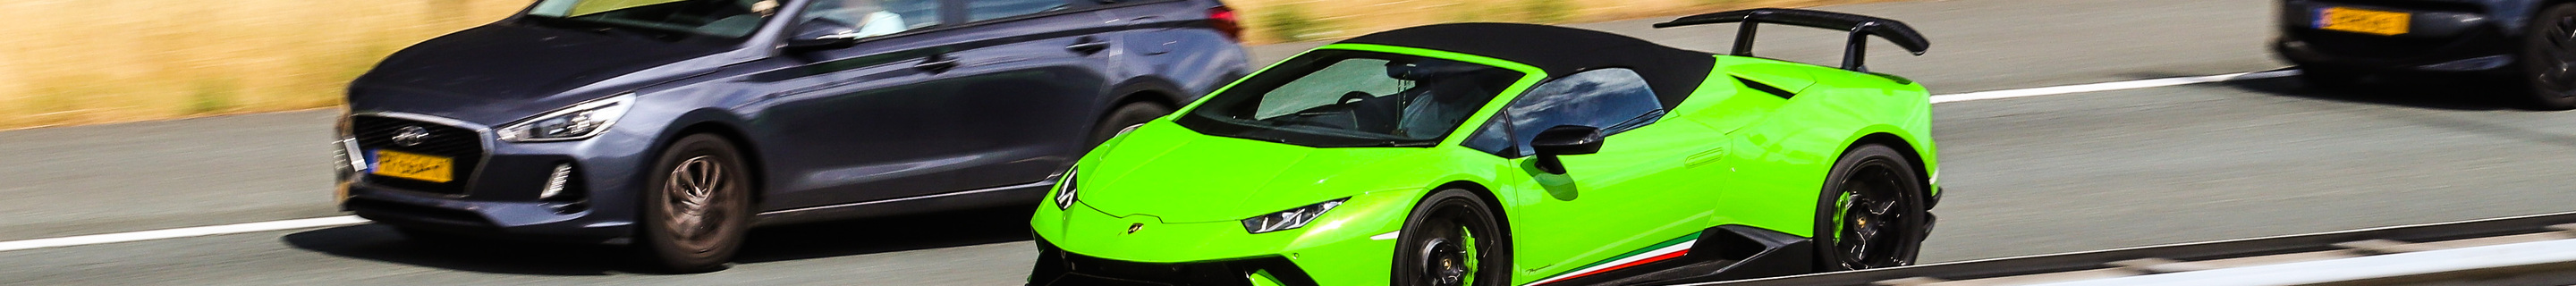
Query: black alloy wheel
(2549, 58)
(698, 207)
(1452, 239)
(1871, 214)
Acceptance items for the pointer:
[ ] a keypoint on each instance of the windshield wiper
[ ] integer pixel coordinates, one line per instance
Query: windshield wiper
(1411, 144)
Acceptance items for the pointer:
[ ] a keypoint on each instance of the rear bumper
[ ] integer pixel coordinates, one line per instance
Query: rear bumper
(2441, 37)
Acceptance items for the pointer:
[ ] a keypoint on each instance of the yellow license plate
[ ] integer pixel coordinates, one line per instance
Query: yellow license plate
(2375, 22)
(434, 169)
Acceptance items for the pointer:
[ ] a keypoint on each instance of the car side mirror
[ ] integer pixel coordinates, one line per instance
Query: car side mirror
(823, 34)
(1564, 140)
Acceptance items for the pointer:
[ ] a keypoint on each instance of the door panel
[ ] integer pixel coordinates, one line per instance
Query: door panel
(1638, 191)
(842, 138)
(1021, 104)
(1643, 187)
(828, 136)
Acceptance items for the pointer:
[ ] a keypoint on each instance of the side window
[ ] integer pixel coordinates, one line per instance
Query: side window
(874, 17)
(1615, 100)
(980, 10)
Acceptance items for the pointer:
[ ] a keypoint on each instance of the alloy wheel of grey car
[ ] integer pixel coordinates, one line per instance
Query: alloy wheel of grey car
(695, 219)
(2549, 58)
(1126, 116)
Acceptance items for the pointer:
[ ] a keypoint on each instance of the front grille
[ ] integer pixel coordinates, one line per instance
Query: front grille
(465, 146)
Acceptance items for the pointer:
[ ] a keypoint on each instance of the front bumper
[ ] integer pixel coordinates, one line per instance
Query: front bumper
(2442, 37)
(1057, 267)
(1346, 246)
(496, 185)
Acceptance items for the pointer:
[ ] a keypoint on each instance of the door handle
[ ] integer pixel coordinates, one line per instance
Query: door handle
(1712, 155)
(936, 64)
(1088, 46)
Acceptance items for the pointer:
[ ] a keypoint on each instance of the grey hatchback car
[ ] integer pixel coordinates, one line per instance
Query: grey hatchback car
(673, 126)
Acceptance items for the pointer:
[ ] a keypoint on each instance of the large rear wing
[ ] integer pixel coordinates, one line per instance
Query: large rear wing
(1860, 26)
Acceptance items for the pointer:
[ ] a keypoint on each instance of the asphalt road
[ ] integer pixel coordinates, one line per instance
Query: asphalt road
(2029, 175)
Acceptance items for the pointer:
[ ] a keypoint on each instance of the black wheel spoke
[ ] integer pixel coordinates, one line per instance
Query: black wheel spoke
(1876, 226)
(1447, 243)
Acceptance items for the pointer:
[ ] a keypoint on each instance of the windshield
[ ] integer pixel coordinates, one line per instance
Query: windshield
(1343, 98)
(670, 18)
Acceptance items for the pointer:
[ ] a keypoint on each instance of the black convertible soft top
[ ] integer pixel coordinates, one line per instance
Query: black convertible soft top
(1672, 72)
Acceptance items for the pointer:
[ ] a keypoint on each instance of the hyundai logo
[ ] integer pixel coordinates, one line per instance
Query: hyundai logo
(1132, 228)
(410, 135)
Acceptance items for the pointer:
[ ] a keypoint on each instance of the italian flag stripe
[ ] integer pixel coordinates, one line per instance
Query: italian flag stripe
(1666, 250)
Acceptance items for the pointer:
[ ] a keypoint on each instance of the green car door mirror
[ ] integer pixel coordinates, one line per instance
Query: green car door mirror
(1564, 140)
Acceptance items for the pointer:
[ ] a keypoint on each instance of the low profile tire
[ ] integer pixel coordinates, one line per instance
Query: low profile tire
(1125, 116)
(1871, 213)
(1452, 239)
(696, 208)
(2549, 59)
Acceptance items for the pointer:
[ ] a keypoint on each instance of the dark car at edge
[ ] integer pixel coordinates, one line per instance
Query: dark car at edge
(2532, 43)
(672, 126)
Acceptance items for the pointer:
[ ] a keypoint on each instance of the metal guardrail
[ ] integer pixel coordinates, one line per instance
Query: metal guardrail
(2525, 250)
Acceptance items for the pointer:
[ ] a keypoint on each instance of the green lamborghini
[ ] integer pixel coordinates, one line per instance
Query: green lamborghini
(1512, 154)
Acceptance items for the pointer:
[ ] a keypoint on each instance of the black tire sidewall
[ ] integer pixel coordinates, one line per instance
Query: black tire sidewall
(654, 241)
(1494, 269)
(2534, 39)
(1827, 257)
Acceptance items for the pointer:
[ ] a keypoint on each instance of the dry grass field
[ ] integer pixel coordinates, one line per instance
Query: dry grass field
(94, 61)
(70, 62)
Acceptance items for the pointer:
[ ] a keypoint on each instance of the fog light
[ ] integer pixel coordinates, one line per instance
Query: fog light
(555, 184)
(562, 193)
(348, 156)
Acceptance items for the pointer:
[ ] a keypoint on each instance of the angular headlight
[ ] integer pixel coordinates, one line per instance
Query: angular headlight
(1291, 218)
(581, 121)
(1064, 192)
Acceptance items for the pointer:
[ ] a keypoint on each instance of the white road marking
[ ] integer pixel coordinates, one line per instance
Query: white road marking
(179, 232)
(2107, 86)
(350, 220)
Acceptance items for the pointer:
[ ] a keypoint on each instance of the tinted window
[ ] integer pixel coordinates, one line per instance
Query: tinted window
(1342, 98)
(1614, 100)
(872, 18)
(979, 10)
